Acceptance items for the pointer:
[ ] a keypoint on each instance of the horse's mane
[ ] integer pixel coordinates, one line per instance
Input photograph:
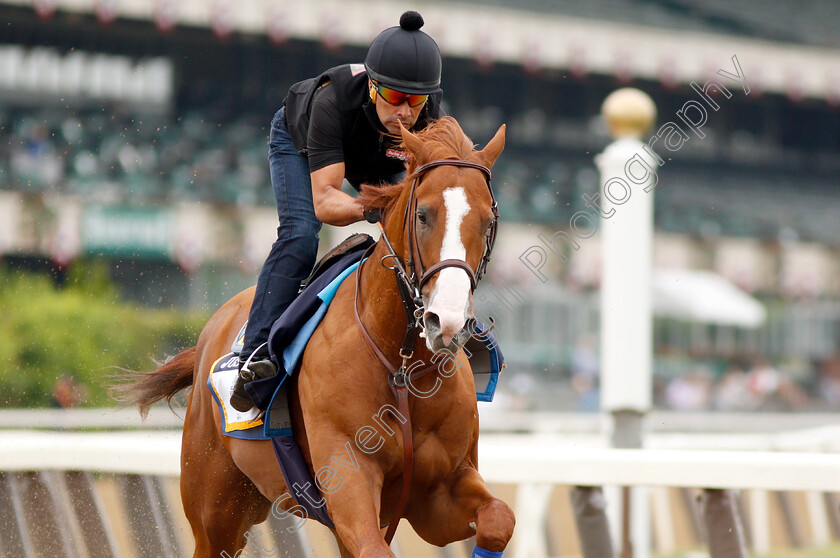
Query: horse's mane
(443, 139)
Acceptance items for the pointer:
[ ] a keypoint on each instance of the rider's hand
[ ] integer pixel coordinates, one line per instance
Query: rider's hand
(372, 215)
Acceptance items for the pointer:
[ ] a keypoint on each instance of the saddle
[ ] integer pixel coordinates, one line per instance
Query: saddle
(353, 243)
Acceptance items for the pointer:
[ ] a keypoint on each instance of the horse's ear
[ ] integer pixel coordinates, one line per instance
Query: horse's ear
(493, 149)
(414, 145)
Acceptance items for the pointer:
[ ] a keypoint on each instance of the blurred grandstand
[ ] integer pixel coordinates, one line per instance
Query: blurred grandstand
(134, 131)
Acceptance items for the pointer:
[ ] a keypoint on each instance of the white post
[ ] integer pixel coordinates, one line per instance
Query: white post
(818, 519)
(532, 502)
(627, 245)
(628, 178)
(760, 521)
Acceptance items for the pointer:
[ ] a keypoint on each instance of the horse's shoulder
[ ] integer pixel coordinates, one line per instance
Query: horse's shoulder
(340, 315)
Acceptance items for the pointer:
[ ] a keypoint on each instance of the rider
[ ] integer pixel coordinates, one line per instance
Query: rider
(343, 124)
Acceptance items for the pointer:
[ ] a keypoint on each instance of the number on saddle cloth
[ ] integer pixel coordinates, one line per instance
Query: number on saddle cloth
(357, 241)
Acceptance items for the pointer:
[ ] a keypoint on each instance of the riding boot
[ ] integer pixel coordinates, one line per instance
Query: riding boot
(273, 296)
(248, 372)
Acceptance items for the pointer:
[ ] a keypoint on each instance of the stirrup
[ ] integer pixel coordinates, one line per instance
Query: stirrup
(248, 372)
(258, 370)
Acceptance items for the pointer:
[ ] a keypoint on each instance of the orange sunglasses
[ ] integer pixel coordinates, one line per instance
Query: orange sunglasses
(396, 98)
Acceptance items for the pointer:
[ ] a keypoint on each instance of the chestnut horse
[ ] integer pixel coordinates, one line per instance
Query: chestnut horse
(438, 222)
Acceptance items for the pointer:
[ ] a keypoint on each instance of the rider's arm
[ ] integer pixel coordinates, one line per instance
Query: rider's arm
(332, 206)
(326, 163)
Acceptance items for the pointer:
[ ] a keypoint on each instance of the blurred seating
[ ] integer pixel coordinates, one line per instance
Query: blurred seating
(808, 21)
(112, 157)
(624, 11)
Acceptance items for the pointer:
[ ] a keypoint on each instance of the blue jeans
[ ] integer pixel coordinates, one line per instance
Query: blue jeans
(293, 254)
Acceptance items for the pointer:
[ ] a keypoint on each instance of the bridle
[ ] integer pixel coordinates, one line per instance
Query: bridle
(418, 273)
(411, 276)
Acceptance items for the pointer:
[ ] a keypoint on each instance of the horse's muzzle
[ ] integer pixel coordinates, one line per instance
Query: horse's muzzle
(438, 339)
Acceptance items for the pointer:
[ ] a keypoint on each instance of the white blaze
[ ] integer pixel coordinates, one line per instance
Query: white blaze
(450, 298)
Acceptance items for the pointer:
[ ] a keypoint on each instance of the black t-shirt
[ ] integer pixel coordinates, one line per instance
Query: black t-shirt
(332, 120)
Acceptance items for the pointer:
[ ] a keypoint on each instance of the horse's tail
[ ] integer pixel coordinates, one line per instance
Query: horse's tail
(146, 388)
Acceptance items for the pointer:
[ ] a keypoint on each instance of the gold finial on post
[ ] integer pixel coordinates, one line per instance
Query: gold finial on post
(629, 113)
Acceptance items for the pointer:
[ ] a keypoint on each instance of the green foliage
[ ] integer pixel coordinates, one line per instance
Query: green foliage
(83, 331)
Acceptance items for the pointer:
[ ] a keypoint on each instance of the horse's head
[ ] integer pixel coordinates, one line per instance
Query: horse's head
(449, 220)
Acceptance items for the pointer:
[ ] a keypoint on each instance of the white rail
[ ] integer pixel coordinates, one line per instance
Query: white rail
(761, 470)
(70, 419)
(504, 459)
(139, 453)
(493, 419)
(535, 463)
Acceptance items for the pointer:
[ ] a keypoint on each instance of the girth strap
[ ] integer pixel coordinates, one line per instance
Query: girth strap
(408, 459)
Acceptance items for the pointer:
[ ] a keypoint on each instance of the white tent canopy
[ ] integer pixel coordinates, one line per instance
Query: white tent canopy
(704, 296)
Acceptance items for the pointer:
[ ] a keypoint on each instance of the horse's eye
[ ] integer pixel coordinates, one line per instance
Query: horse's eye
(421, 217)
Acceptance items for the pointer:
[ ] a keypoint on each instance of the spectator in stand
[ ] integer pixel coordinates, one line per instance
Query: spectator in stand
(67, 393)
(732, 393)
(690, 392)
(586, 369)
(828, 381)
(34, 162)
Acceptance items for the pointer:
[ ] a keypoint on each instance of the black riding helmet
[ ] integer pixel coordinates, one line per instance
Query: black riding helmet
(405, 58)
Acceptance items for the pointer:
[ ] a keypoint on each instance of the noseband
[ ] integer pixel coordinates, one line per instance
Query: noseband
(411, 276)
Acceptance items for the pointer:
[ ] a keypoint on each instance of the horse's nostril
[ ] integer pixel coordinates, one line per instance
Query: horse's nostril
(431, 321)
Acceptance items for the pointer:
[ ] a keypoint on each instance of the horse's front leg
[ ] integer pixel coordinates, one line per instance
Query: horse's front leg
(352, 487)
(462, 507)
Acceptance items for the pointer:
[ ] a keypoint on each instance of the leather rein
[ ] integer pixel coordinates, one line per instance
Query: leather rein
(411, 276)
